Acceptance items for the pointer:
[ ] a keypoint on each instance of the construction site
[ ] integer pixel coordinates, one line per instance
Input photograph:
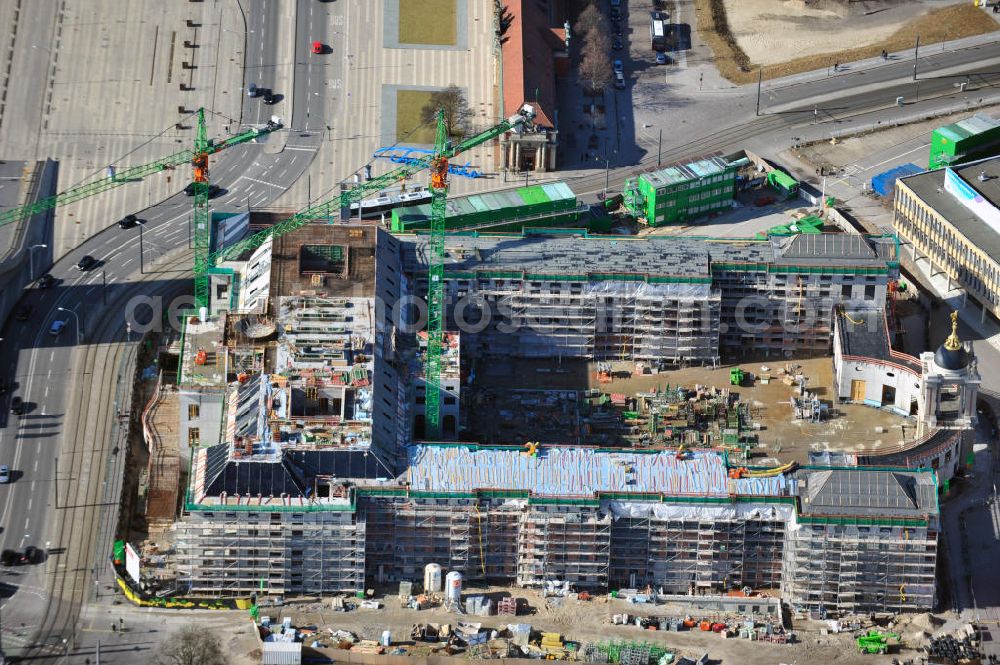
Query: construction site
(319, 474)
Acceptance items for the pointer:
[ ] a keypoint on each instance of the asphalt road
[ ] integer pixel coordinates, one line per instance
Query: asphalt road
(820, 104)
(70, 387)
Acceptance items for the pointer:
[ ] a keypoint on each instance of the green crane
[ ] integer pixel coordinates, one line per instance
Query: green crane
(118, 178)
(438, 162)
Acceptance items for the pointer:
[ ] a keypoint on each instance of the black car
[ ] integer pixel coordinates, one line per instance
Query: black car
(17, 406)
(31, 555)
(128, 221)
(213, 190)
(45, 281)
(9, 557)
(86, 263)
(269, 98)
(618, 28)
(618, 44)
(22, 313)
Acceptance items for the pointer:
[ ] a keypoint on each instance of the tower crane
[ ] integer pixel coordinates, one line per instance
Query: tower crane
(119, 178)
(438, 163)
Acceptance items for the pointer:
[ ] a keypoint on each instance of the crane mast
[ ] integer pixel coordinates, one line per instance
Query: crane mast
(435, 281)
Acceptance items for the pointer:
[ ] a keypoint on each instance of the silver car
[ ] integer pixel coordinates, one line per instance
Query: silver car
(4, 474)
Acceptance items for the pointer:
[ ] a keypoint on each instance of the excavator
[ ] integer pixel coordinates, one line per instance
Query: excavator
(875, 642)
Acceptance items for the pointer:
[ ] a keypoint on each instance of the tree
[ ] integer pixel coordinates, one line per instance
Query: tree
(589, 19)
(191, 646)
(595, 67)
(456, 110)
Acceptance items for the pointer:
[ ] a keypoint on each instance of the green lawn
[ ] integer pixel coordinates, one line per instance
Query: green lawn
(428, 22)
(409, 104)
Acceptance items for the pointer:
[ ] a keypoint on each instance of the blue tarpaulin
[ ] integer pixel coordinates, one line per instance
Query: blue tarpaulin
(884, 183)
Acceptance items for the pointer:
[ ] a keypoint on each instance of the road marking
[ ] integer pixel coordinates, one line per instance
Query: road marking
(262, 182)
(27, 520)
(125, 263)
(52, 356)
(300, 147)
(30, 499)
(47, 388)
(36, 464)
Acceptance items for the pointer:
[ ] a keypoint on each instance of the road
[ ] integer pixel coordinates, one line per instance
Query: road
(70, 388)
(811, 107)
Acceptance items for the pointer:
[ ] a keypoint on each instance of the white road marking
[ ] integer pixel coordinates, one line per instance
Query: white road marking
(47, 388)
(125, 263)
(52, 356)
(30, 499)
(262, 182)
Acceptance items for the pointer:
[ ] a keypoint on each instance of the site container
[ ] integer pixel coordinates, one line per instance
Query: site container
(884, 183)
(551, 204)
(964, 141)
(679, 193)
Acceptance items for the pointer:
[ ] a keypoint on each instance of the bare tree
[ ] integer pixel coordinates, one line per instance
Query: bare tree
(589, 19)
(595, 67)
(191, 646)
(456, 110)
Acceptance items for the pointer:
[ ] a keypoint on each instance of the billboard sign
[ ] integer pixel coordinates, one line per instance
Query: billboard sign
(971, 199)
(132, 562)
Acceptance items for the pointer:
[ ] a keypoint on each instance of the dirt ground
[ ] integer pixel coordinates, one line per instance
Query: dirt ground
(851, 427)
(591, 622)
(772, 34)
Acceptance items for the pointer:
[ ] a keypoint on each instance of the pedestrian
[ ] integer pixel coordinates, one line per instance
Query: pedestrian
(885, 55)
(114, 628)
(836, 66)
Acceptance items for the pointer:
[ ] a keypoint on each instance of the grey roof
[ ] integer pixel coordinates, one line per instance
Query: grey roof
(653, 255)
(929, 188)
(867, 492)
(832, 249)
(863, 333)
(292, 473)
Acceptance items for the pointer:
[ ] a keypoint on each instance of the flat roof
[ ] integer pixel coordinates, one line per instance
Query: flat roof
(863, 333)
(654, 256)
(558, 471)
(204, 336)
(929, 188)
(678, 173)
(290, 277)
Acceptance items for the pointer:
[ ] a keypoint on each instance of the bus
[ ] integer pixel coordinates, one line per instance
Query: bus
(657, 31)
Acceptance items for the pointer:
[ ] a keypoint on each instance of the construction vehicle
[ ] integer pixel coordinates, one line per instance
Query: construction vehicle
(115, 178)
(438, 163)
(736, 376)
(875, 642)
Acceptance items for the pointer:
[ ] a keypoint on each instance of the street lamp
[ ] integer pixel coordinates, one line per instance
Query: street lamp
(31, 261)
(79, 333)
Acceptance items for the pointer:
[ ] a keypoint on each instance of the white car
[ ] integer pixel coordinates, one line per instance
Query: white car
(4, 474)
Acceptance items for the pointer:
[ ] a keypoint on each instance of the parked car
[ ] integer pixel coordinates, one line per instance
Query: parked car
(618, 44)
(616, 13)
(661, 58)
(17, 406)
(252, 90)
(45, 281)
(86, 263)
(213, 190)
(9, 557)
(57, 327)
(4, 474)
(270, 98)
(32, 554)
(22, 313)
(128, 221)
(619, 81)
(618, 66)
(617, 26)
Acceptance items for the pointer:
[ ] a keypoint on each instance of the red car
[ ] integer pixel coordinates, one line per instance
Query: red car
(317, 47)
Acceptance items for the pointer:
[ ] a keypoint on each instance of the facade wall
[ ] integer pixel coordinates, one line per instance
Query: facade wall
(788, 312)
(949, 251)
(884, 385)
(860, 569)
(831, 568)
(202, 415)
(227, 553)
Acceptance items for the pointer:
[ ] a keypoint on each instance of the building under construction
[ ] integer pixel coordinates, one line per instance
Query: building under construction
(315, 483)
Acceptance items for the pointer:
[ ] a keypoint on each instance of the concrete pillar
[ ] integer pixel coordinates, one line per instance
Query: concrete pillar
(517, 157)
(540, 159)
